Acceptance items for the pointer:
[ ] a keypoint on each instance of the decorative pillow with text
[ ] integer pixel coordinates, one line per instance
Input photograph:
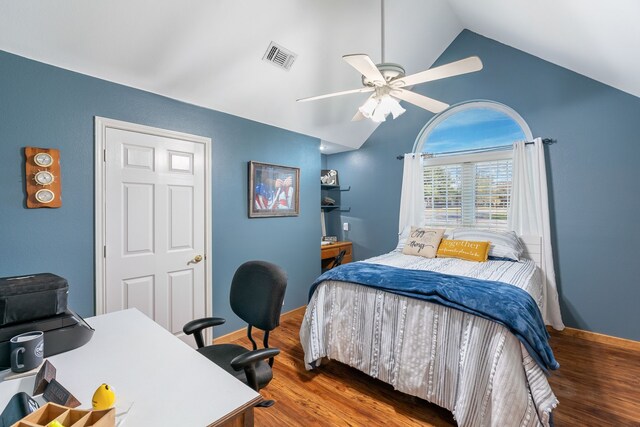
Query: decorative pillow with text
(423, 242)
(464, 249)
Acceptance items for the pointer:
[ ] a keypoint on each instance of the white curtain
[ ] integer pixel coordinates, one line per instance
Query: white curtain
(411, 197)
(529, 215)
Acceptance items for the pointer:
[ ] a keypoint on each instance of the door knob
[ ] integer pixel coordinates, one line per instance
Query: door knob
(195, 260)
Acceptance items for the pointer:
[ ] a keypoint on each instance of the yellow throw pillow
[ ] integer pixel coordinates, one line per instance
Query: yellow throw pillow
(423, 242)
(464, 249)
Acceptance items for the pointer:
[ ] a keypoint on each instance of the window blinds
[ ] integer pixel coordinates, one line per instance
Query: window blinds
(469, 194)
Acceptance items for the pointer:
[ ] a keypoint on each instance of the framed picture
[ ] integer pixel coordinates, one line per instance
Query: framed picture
(329, 177)
(274, 190)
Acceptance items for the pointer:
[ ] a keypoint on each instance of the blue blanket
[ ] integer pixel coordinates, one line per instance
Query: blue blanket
(500, 302)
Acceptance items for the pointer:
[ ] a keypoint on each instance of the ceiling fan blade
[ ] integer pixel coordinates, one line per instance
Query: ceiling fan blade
(359, 116)
(329, 95)
(365, 66)
(463, 66)
(421, 101)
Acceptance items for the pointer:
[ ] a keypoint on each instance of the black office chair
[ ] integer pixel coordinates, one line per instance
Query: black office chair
(257, 293)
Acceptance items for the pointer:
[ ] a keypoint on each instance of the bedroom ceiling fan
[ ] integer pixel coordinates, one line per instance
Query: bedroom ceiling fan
(389, 82)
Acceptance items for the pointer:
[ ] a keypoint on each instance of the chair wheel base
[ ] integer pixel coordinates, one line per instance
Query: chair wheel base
(265, 404)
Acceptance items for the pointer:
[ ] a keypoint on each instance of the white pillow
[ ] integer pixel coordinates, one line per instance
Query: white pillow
(504, 244)
(402, 238)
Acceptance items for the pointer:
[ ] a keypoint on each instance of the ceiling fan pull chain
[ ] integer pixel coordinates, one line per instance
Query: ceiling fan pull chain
(382, 31)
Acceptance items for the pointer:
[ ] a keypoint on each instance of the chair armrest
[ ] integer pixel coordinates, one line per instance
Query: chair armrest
(196, 326)
(253, 356)
(248, 360)
(200, 324)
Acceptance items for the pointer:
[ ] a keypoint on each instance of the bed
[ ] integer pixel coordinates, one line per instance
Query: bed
(472, 366)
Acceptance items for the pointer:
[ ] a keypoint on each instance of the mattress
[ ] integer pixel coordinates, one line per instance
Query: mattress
(470, 365)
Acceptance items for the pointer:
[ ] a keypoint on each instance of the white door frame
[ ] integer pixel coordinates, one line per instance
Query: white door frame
(101, 126)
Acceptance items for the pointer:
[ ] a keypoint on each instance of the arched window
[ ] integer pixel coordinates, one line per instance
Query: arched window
(467, 166)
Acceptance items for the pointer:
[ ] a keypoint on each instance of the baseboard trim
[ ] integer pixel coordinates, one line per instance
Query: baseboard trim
(596, 337)
(241, 333)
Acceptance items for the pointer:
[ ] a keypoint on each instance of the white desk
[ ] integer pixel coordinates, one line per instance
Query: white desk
(168, 382)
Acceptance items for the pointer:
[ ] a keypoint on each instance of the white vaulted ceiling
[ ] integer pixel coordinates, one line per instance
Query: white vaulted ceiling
(209, 52)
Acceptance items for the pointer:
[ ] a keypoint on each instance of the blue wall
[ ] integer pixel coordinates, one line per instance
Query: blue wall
(592, 175)
(45, 106)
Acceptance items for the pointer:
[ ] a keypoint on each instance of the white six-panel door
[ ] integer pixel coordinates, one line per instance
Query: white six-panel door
(155, 224)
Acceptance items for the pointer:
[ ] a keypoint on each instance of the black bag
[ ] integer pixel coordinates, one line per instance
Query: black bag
(24, 298)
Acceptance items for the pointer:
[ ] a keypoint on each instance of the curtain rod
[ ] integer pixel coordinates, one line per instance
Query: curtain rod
(479, 150)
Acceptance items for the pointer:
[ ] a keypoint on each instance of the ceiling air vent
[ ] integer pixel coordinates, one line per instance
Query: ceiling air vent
(279, 56)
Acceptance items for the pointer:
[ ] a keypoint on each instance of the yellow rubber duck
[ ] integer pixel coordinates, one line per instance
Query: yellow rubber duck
(103, 398)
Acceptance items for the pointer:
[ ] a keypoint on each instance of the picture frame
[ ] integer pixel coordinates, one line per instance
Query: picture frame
(329, 177)
(274, 190)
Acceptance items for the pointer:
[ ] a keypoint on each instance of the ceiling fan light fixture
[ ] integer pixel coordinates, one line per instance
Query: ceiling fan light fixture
(379, 115)
(391, 105)
(377, 108)
(367, 109)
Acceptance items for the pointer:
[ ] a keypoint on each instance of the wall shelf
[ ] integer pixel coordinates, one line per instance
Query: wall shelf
(334, 187)
(330, 207)
(330, 187)
(332, 213)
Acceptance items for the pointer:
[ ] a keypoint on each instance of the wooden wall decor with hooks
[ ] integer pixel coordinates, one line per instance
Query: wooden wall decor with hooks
(42, 177)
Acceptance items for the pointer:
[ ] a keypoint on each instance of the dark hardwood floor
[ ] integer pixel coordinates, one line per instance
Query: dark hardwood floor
(597, 385)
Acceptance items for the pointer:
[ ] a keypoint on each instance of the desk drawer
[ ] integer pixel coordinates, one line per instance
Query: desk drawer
(330, 252)
(333, 251)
